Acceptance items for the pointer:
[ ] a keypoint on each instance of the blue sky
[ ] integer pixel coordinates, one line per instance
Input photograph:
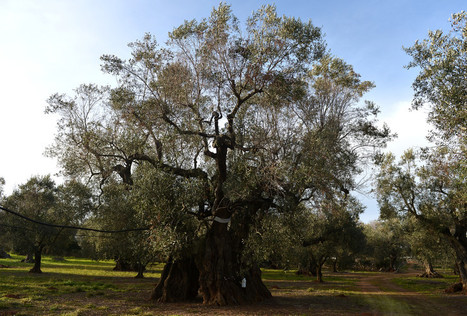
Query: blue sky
(53, 46)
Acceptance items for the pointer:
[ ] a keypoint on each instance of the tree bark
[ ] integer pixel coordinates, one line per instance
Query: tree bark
(221, 271)
(221, 275)
(334, 265)
(37, 261)
(462, 265)
(178, 282)
(459, 244)
(141, 268)
(319, 274)
(319, 269)
(29, 258)
(429, 271)
(309, 269)
(220, 281)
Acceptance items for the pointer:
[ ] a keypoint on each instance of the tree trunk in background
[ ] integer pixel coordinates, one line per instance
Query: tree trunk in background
(141, 268)
(319, 269)
(29, 258)
(334, 265)
(429, 271)
(37, 261)
(123, 265)
(179, 281)
(308, 269)
(459, 244)
(462, 265)
(393, 263)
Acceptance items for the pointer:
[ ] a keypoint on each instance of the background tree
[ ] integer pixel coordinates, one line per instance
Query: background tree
(3, 229)
(431, 193)
(430, 186)
(386, 245)
(34, 199)
(305, 239)
(242, 118)
(41, 200)
(116, 213)
(428, 247)
(331, 231)
(441, 83)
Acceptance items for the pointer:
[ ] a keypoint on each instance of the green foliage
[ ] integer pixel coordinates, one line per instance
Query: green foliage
(41, 200)
(441, 84)
(308, 236)
(387, 245)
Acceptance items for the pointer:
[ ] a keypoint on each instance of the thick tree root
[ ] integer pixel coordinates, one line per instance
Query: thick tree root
(432, 274)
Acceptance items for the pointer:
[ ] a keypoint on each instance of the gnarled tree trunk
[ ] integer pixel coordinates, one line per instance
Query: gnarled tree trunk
(462, 266)
(429, 271)
(459, 244)
(179, 281)
(221, 279)
(319, 268)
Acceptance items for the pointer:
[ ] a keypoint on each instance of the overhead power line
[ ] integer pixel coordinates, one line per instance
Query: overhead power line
(72, 227)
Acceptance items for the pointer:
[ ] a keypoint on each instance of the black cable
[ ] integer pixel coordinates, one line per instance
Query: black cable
(72, 227)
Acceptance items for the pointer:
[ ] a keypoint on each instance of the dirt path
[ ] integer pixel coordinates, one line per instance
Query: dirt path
(388, 298)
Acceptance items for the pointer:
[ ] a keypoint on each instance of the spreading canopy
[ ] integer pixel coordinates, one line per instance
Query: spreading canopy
(253, 120)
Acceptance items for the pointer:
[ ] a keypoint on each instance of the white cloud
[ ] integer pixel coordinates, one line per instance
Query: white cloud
(410, 125)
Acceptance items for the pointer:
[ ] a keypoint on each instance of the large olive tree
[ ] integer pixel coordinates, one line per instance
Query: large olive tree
(233, 122)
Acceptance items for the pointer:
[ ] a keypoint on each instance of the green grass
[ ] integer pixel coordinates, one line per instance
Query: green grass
(35, 293)
(83, 286)
(289, 275)
(427, 285)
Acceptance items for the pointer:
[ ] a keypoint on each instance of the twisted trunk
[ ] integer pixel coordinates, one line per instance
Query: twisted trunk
(178, 282)
(429, 271)
(319, 268)
(458, 242)
(222, 281)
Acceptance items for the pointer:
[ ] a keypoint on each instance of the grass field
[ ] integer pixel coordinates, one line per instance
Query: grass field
(86, 287)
